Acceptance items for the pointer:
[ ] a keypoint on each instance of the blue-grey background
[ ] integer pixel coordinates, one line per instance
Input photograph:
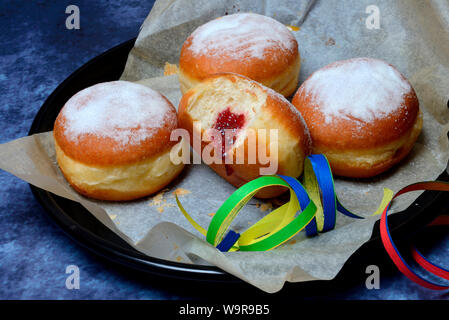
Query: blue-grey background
(37, 53)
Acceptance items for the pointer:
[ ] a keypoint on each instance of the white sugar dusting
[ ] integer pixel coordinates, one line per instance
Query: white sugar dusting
(360, 89)
(241, 35)
(124, 111)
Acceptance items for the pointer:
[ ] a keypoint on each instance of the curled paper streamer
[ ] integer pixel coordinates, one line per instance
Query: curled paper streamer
(393, 252)
(317, 204)
(315, 199)
(269, 232)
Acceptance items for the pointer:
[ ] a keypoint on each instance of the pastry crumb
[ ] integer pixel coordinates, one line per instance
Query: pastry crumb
(265, 206)
(164, 205)
(211, 214)
(181, 192)
(158, 198)
(179, 258)
(159, 202)
(170, 69)
(330, 42)
(293, 28)
(112, 216)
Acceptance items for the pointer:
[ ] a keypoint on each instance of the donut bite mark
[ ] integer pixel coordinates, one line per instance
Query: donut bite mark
(233, 103)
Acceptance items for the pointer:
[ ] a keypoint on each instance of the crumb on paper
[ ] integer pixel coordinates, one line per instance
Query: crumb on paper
(164, 205)
(181, 192)
(179, 258)
(211, 214)
(330, 42)
(112, 216)
(159, 202)
(170, 69)
(265, 206)
(292, 242)
(157, 199)
(293, 28)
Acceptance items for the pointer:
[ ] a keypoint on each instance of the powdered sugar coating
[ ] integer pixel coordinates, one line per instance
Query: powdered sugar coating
(126, 112)
(241, 35)
(360, 89)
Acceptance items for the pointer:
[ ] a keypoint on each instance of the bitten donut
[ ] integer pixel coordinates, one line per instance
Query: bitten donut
(112, 141)
(362, 113)
(239, 121)
(249, 44)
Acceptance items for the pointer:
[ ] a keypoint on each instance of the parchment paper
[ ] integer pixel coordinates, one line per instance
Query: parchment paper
(413, 36)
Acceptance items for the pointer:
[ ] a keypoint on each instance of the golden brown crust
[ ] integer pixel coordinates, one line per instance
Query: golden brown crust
(120, 182)
(115, 195)
(277, 64)
(103, 151)
(355, 152)
(294, 141)
(376, 160)
(285, 83)
(112, 141)
(170, 69)
(343, 133)
(111, 194)
(200, 67)
(281, 112)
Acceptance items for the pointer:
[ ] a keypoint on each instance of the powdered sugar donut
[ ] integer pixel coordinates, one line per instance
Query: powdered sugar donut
(112, 141)
(249, 44)
(362, 113)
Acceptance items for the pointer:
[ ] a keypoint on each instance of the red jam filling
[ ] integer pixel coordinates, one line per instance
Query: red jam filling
(228, 120)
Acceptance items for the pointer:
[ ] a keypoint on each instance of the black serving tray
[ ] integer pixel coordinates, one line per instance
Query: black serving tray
(85, 229)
